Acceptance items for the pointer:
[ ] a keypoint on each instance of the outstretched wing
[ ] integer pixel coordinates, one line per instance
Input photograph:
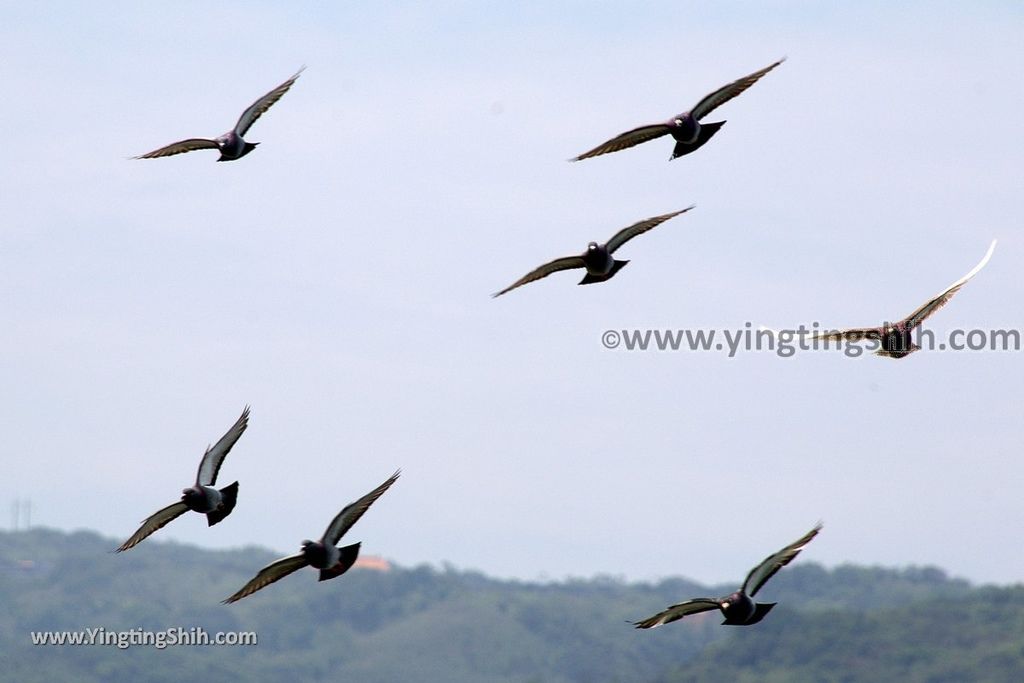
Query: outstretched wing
(676, 612)
(155, 521)
(558, 264)
(209, 466)
(352, 512)
(726, 93)
(256, 109)
(852, 335)
(628, 139)
(179, 148)
(760, 574)
(626, 234)
(919, 316)
(274, 571)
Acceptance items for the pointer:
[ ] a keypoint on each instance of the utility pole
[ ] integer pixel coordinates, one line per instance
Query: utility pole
(21, 508)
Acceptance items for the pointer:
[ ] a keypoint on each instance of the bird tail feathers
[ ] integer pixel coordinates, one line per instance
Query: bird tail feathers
(228, 498)
(591, 279)
(348, 558)
(706, 131)
(760, 612)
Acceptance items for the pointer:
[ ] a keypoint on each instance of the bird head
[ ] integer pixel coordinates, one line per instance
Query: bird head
(730, 600)
(592, 246)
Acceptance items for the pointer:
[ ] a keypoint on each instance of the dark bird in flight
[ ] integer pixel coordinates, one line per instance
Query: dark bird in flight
(739, 608)
(597, 259)
(686, 128)
(231, 145)
(200, 497)
(323, 554)
(895, 339)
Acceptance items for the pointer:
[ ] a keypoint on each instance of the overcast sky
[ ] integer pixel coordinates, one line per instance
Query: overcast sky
(338, 279)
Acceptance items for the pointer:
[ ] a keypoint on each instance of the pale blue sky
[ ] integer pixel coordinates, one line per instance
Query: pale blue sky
(338, 279)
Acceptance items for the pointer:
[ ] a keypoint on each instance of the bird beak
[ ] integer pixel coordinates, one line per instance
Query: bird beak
(723, 605)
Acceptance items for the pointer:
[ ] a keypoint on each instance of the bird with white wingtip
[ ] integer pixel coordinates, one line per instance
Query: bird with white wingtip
(895, 339)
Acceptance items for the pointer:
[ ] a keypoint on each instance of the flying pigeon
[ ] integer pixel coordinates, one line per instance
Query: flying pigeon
(201, 497)
(895, 339)
(231, 145)
(685, 128)
(597, 259)
(739, 608)
(323, 554)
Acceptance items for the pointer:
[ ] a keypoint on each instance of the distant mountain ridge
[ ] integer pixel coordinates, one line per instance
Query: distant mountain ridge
(426, 624)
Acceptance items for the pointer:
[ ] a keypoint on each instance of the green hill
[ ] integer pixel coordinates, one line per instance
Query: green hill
(425, 624)
(976, 638)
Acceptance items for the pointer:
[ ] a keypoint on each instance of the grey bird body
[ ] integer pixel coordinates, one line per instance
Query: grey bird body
(686, 128)
(323, 554)
(201, 497)
(703, 134)
(597, 260)
(600, 264)
(319, 554)
(231, 144)
(739, 607)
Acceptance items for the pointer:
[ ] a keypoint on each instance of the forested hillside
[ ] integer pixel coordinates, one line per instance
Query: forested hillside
(429, 624)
